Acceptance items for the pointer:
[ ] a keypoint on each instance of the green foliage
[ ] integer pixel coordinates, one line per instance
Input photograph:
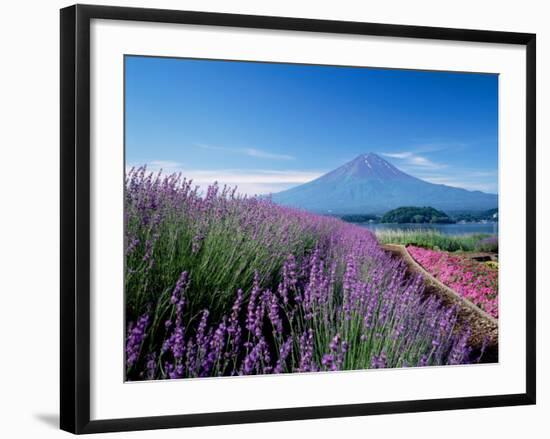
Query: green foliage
(418, 215)
(488, 245)
(222, 256)
(471, 216)
(431, 239)
(359, 218)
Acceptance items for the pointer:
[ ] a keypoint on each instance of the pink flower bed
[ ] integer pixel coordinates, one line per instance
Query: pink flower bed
(472, 280)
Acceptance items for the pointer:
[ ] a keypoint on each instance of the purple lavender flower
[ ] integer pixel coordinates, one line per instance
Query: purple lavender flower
(179, 288)
(151, 366)
(252, 319)
(322, 281)
(235, 310)
(251, 361)
(273, 312)
(284, 352)
(306, 351)
(379, 362)
(136, 334)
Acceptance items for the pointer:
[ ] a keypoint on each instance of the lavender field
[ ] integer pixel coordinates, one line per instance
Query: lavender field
(219, 284)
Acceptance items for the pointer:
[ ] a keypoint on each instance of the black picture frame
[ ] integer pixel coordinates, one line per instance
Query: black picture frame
(75, 217)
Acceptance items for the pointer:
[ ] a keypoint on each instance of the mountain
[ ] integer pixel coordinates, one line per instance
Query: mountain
(369, 184)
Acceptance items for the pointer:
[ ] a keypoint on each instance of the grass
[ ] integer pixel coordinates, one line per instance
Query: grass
(219, 285)
(431, 239)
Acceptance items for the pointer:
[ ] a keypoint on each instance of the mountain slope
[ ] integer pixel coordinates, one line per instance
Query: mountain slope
(369, 184)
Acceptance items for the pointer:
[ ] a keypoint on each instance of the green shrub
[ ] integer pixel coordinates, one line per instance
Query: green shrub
(431, 239)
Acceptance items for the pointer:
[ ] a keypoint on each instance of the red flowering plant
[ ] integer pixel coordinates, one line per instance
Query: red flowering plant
(472, 280)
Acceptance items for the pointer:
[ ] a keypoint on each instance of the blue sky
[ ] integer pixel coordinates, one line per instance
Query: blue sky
(267, 127)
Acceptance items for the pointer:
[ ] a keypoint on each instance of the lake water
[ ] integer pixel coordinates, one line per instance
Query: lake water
(448, 229)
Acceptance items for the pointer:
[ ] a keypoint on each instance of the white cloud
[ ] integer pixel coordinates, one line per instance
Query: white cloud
(472, 181)
(267, 155)
(397, 155)
(422, 147)
(163, 164)
(250, 182)
(251, 152)
(422, 167)
(412, 159)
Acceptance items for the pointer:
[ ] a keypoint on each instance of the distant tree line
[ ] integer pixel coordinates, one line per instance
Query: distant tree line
(468, 216)
(360, 218)
(411, 214)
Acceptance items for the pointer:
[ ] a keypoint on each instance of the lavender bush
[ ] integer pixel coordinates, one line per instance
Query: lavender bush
(218, 285)
(489, 244)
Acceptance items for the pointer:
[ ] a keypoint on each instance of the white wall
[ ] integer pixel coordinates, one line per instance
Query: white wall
(29, 247)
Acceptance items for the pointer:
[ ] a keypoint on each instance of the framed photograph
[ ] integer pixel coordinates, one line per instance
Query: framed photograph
(268, 218)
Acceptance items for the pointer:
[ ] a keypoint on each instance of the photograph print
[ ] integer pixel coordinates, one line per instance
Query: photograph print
(292, 218)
